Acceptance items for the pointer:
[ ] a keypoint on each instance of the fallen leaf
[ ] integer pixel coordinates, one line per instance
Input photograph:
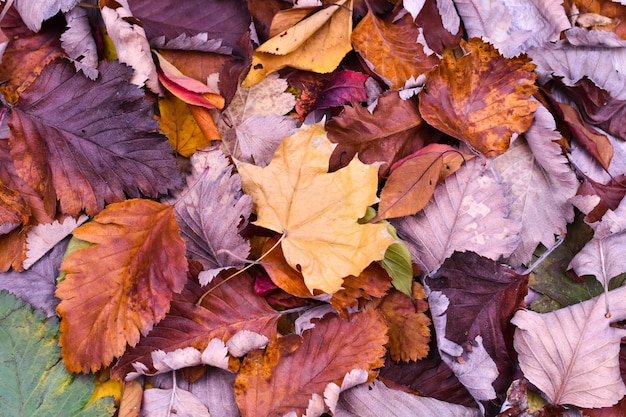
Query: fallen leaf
(512, 31)
(129, 37)
(180, 127)
(373, 282)
(27, 53)
(227, 21)
(78, 42)
(37, 285)
(186, 88)
(468, 212)
(130, 403)
(378, 400)
(177, 401)
(413, 179)
(210, 226)
(316, 211)
(316, 43)
(390, 49)
(253, 124)
(483, 297)
(571, 354)
(227, 309)
(540, 183)
(391, 132)
(281, 273)
(471, 364)
(481, 98)
(138, 261)
(275, 382)
(610, 194)
(33, 379)
(440, 25)
(103, 150)
(324, 91)
(42, 237)
(408, 325)
(34, 13)
(604, 256)
(13, 210)
(197, 42)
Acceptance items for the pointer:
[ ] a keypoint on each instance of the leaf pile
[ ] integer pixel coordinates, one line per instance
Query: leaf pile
(273, 208)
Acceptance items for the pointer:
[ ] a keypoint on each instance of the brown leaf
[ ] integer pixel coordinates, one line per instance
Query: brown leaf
(611, 194)
(412, 181)
(229, 307)
(437, 36)
(13, 210)
(292, 369)
(281, 273)
(390, 48)
(408, 331)
(13, 250)
(482, 98)
(121, 285)
(27, 54)
(394, 130)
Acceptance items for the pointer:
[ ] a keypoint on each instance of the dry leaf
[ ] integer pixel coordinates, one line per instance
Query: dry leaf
(572, 354)
(482, 98)
(79, 44)
(180, 127)
(43, 237)
(317, 211)
(317, 43)
(121, 285)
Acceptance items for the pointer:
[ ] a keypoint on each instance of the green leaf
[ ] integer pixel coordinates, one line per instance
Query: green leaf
(397, 263)
(33, 380)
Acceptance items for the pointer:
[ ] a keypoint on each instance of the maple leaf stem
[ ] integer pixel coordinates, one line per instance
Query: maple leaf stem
(199, 302)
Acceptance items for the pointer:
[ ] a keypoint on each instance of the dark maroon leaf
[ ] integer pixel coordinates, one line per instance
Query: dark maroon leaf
(611, 194)
(326, 91)
(483, 296)
(430, 376)
(597, 106)
(437, 37)
(95, 141)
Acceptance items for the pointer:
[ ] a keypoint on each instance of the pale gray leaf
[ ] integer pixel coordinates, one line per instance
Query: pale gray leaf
(477, 371)
(583, 37)
(44, 236)
(35, 12)
(131, 45)
(468, 212)
(513, 26)
(377, 400)
(603, 65)
(245, 341)
(198, 42)
(79, 44)
(414, 7)
(592, 169)
(572, 354)
(159, 402)
(37, 284)
(540, 184)
(259, 136)
(215, 389)
(211, 211)
(449, 16)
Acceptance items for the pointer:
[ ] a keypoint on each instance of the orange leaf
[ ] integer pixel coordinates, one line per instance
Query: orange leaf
(292, 369)
(13, 250)
(412, 181)
(281, 273)
(374, 281)
(26, 55)
(13, 210)
(408, 332)
(391, 48)
(482, 98)
(122, 284)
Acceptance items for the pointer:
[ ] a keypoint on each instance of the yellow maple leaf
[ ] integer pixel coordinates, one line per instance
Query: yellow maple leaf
(316, 211)
(316, 43)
